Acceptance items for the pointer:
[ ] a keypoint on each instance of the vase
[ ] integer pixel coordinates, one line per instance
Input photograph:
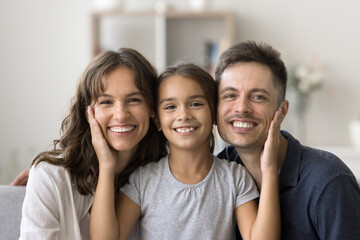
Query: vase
(301, 106)
(354, 131)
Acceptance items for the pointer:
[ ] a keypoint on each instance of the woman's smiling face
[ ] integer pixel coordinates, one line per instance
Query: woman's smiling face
(122, 111)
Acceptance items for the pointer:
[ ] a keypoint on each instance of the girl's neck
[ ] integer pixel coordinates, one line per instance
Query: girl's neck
(190, 166)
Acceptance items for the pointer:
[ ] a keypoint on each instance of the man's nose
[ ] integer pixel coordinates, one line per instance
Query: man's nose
(243, 105)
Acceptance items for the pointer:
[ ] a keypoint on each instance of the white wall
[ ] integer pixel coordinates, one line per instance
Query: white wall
(45, 45)
(300, 28)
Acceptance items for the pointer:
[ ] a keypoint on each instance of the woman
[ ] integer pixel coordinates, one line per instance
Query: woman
(119, 88)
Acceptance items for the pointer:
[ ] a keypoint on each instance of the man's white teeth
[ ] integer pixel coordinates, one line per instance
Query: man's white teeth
(122, 129)
(243, 124)
(184, 130)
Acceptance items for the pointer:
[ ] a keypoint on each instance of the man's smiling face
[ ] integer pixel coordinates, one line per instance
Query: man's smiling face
(247, 103)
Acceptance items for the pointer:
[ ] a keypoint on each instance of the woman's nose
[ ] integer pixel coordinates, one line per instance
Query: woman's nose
(121, 112)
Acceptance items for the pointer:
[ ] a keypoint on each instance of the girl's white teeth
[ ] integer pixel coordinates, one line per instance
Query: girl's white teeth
(122, 129)
(243, 124)
(184, 130)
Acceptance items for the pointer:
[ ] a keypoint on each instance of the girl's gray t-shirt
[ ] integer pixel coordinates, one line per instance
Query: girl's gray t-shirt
(171, 209)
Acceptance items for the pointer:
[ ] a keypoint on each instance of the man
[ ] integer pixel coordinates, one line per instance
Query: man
(319, 196)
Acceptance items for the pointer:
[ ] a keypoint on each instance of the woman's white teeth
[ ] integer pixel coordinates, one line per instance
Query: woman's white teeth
(184, 130)
(122, 129)
(243, 124)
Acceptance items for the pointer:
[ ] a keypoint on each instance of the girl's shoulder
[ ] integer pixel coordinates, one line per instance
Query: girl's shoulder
(225, 164)
(154, 165)
(232, 169)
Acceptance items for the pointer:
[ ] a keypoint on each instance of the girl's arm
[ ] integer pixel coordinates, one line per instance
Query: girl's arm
(103, 222)
(266, 223)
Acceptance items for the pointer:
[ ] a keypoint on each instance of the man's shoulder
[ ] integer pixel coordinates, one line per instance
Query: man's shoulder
(229, 153)
(322, 160)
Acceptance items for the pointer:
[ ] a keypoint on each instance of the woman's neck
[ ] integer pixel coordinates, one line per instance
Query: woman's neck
(190, 166)
(123, 158)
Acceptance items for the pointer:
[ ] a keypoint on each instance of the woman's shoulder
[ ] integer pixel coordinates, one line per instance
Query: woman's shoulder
(48, 170)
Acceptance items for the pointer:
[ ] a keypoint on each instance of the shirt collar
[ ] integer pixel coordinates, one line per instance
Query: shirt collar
(289, 174)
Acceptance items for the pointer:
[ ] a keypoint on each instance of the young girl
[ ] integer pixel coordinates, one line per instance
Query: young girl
(190, 194)
(119, 86)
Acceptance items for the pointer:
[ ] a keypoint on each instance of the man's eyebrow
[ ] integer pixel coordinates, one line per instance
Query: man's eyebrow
(260, 90)
(232, 89)
(228, 89)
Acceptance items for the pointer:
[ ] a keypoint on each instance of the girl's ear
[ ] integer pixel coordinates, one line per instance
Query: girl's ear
(157, 123)
(152, 114)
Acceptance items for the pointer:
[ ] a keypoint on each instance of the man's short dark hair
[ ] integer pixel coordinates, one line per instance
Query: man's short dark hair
(261, 53)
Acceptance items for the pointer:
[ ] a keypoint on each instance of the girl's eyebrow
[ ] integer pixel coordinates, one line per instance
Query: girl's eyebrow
(173, 98)
(166, 100)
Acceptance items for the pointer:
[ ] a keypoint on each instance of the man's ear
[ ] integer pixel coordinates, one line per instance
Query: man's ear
(284, 106)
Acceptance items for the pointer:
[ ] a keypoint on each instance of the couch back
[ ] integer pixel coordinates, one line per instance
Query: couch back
(11, 200)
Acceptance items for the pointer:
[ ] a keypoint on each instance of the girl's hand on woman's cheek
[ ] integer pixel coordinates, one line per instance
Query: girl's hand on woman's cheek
(105, 155)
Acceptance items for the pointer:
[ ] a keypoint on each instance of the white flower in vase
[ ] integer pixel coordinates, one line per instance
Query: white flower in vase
(305, 79)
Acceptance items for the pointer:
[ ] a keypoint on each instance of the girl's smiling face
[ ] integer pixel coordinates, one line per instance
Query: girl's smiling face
(122, 111)
(184, 113)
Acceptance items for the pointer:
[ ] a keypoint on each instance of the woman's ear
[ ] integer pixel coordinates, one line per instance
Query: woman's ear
(87, 110)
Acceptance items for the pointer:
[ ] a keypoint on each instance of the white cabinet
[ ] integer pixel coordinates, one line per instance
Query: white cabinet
(167, 37)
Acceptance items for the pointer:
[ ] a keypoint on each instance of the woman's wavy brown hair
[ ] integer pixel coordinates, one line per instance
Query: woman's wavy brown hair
(74, 150)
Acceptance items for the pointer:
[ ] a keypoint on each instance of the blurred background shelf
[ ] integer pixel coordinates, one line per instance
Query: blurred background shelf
(165, 37)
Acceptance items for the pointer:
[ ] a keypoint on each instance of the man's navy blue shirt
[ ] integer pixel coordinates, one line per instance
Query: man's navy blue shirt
(319, 195)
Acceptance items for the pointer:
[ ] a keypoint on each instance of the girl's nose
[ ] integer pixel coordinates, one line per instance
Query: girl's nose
(184, 114)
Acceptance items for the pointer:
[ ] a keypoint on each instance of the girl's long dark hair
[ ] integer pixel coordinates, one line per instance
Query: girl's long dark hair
(74, 150)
